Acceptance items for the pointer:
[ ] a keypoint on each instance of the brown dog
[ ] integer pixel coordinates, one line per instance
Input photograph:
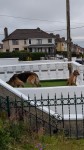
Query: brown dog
(18, 80)
(73, 78)
(15, 82)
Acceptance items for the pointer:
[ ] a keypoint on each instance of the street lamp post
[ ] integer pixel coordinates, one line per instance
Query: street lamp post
(68, 36)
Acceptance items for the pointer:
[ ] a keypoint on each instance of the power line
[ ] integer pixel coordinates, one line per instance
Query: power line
(43, 20)
(66, 29)
(58, 29)
(32, 19)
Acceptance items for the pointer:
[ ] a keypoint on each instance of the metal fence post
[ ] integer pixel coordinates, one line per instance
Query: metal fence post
(42, 110)
(8, 105)
(55, 104)
(15, 106)
(82, 112)
(75, 101)
(62, 102)
(69, 115)
(49, 114)
(36, 112)
(29, 105)
(22, 109)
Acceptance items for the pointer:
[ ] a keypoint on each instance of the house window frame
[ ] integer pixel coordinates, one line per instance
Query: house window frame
(15, 42)
(16, 49)
(50, 40)
(29, 41)
(25, 42)
(39, 41)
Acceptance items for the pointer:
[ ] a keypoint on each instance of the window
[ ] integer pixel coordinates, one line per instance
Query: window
(29, 41)
(25, 42)
(30, 50)
(15, 49)
(25, 49)
(49, 40)
(15, 42)
(7, 50)
(39, 41)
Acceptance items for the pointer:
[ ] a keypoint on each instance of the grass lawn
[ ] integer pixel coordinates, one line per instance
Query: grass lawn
(50, 83)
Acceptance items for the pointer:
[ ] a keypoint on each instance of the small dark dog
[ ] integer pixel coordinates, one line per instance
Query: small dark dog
(73, 78)
(18, 80)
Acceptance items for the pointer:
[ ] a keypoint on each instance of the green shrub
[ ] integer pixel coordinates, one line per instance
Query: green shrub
(36, 56)
(22, 55)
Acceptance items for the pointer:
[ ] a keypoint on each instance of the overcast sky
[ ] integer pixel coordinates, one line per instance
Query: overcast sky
(49, 15)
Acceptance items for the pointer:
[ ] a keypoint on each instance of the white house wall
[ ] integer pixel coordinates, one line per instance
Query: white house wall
(6, 46)
(44, 41)
(21, 45)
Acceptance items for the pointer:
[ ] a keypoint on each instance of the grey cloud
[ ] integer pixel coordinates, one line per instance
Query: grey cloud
(54, 10)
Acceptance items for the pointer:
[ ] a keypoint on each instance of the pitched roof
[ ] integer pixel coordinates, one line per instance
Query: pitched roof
(21, 34)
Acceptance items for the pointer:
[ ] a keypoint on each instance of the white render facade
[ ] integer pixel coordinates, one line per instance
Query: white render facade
(37, 45)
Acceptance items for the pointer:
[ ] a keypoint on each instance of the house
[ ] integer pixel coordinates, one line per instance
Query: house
(31, 40)
(77, 49)
(61, 44)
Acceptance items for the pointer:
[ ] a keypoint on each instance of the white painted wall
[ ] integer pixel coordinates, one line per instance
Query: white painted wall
(51, 91)
(8, 61)
(46, 70)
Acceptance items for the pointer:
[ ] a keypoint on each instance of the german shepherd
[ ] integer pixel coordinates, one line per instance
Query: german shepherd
(73, 78)
(18, 80)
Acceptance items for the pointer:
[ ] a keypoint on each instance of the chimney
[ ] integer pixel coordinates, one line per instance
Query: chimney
(38, 29)
(63, 39)
(51, 34)
(6, 32)
(57, 36)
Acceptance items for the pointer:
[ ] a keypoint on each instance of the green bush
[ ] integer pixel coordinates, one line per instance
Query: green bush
(22, 55)
(36, 56)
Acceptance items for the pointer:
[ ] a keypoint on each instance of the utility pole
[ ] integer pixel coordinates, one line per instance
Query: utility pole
(68, 36)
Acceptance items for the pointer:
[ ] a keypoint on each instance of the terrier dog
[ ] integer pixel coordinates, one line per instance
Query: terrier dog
(18, 80)
(73, 78)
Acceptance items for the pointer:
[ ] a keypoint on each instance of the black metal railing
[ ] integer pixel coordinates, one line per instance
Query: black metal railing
(54, 115)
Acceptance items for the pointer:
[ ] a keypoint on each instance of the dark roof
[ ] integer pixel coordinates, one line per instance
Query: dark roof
(60, 39)
(21, 34)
